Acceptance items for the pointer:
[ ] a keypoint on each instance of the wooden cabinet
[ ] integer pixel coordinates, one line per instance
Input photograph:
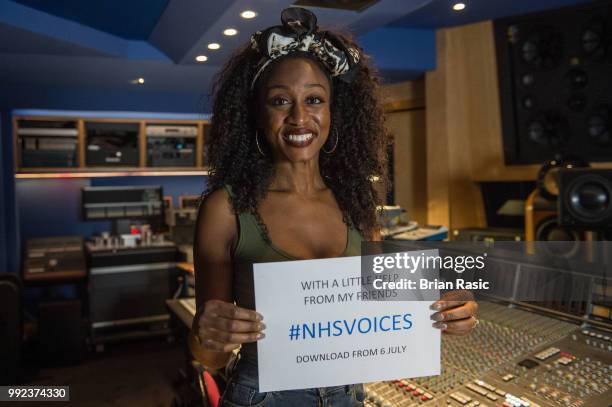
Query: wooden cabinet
(45, 146)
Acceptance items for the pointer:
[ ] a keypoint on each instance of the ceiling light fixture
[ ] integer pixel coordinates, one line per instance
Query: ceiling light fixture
(248, 14)
(140, 81)
(201, 58)
(458, 6)
(230, 31)
(214, 45)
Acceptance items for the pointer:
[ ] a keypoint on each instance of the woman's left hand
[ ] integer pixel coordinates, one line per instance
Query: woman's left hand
(456, 315)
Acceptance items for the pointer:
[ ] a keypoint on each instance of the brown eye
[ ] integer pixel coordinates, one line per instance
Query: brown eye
(314, 100)
(278, 101)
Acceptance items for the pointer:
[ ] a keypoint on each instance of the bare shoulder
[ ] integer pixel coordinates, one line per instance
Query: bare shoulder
(216, 218)
(218, 202)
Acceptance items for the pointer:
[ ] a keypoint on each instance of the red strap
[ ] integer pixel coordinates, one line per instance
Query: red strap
(212, 389)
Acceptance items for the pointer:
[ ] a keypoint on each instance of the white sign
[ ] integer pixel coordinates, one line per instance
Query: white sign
(320, 332)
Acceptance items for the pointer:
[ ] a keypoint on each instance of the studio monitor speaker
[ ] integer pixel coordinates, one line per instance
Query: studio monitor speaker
(555, 83)
(542, 223)
(585, 199)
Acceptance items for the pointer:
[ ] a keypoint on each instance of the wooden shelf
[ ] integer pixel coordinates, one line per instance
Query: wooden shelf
(92, 173)
(84, 171)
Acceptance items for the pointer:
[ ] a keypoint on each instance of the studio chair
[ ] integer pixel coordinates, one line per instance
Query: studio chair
(10, 328)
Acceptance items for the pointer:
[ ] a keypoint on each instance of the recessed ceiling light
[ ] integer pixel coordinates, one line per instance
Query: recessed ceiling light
(458, 6)
(140, 80)
(201, 58)
(230, 31)
(214, 45)
(248, 14)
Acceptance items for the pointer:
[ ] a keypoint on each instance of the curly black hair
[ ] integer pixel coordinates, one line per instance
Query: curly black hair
(356, 116)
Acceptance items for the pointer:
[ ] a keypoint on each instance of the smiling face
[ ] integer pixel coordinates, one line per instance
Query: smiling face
(294, 109)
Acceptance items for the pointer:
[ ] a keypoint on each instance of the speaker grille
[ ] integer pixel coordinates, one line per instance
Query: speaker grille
(555, 84)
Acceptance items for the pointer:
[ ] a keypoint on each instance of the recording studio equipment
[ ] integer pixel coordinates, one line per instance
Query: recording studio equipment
(554, 77)
(183, 220)
(541, 208)
(602, 301)
(54, 258)
(548, 176)
(393, 220)
(542, 223)
(10, 328)
(54, 261)
(389, 216)
(183, 227)
(61, 333)
(521, 353)
(133, 271)
(513, 358)
(171, 145)
(128, 288)
(112, 144)
(585, 200)
(488, 235)
(168, 207)
(423, 233)
(189, 201)
(47, 143)
(122, 202)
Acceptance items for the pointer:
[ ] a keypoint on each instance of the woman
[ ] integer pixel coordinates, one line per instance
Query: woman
(297, 134)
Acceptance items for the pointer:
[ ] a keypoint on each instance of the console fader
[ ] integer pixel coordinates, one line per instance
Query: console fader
(513, 358)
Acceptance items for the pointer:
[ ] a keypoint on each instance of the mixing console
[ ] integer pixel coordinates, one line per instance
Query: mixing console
(513, 358)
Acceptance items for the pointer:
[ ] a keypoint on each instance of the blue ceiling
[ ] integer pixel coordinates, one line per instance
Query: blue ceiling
(439, 13)
(132, 19)
(50, 48)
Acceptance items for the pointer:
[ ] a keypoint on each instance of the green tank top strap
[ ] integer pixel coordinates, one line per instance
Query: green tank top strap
(253, 248)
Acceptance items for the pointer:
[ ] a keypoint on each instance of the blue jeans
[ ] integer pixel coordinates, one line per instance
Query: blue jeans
(243, 391)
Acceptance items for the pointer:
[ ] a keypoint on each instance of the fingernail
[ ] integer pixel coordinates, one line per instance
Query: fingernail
(259, 317)
(437, 317)
(436, 306)
(439, 326)
(261, 326)
(261, 335)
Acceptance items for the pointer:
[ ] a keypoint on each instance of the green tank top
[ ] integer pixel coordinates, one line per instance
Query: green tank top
(253, 248)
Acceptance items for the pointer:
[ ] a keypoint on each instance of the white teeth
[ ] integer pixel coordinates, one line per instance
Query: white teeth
(299, 137)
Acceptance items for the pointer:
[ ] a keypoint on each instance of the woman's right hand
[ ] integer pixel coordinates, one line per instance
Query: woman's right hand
(223, 326)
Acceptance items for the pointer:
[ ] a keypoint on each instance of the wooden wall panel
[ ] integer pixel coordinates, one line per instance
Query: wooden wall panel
(404, 95)
(405, 120)
(410, 161)
(438, 211)
(454, 102)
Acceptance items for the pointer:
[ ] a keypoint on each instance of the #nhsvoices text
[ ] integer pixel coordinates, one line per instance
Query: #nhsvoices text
(355, 326)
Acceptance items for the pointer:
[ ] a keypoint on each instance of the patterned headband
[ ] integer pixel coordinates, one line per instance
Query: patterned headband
(299, 33)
